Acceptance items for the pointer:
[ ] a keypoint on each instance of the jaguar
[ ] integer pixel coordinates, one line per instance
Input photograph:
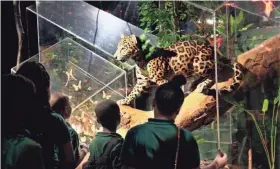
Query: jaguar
(184, 57)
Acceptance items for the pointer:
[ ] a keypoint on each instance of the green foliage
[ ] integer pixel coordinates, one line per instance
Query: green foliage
(261, 128)
(236, 24)
(199, 140)
(162, 21)
(265, 105)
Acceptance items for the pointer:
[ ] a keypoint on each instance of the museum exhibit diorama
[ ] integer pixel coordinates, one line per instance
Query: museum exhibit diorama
(229, 52)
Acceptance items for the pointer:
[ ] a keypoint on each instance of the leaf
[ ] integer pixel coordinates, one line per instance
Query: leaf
(278, 97)
(246, 27)
(142, 24)
(265, 105)
(276, 100)
(152, 49)
(147, 42)
(239, 18)
(232, 25)
(222, 30)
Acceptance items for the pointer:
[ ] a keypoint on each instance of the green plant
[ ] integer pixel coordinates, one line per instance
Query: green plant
(199, 139)
(164, 21)
(270, 154)
(161, 19)
(235, 26)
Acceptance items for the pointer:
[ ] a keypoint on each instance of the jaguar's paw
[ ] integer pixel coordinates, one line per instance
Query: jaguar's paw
(123, 102)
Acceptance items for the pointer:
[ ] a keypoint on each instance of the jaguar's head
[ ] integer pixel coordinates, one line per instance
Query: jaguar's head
(127, 48)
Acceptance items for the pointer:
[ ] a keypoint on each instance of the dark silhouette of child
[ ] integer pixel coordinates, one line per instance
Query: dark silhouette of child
(159, 143)
(60, 103)
(47, 127)
(105, 148)
(18, 151)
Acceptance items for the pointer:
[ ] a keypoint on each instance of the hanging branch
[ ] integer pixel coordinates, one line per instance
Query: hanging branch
(19, 27)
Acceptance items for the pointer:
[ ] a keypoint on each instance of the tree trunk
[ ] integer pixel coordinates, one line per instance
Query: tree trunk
(199, 109)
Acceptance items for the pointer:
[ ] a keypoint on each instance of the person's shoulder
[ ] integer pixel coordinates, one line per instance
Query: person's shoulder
(56, 116)
(139, 133)
(187, 134)
(72, 131)
(57, 120)
(26, 144)
(138, 128)
(117, 136)
(58, 129)
(17, 149)
(29, 141)
(118, 143)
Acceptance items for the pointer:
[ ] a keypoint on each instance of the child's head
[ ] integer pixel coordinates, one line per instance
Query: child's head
(60, 104)
(169, 97)
(108, 114)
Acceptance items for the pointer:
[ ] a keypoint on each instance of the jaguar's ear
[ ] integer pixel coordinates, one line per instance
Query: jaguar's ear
(122, 35)
(134, 39)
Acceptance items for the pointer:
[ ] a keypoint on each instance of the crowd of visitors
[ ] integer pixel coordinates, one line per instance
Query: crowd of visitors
(36, 134)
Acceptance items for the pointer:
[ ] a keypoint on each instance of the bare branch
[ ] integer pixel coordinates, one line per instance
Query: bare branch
(19, 28)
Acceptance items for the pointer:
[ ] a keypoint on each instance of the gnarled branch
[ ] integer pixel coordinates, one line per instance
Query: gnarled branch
(19, 28)
(199, 109)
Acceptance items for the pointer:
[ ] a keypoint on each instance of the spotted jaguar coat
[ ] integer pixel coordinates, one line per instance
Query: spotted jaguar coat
(185, 57)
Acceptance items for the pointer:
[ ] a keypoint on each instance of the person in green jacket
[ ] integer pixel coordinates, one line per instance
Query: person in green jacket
(105, 148)
(18, 150)
(47, 128)
(60, 103)
(159, 143)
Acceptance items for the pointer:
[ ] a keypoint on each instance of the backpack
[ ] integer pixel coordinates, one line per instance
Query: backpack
(104, 161)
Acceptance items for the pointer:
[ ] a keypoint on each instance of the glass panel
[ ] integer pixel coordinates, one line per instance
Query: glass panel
(85, 22)
(262, 8)
(203, 31)
(241, 27)
(65, 28)
(95, 29)
(83, 119)
(209, 5)
(79, 73)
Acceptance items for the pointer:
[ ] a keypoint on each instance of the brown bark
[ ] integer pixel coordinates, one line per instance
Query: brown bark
(198, 109)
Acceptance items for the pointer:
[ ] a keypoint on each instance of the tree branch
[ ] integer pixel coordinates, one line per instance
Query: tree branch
(199, 109)
(19, 28)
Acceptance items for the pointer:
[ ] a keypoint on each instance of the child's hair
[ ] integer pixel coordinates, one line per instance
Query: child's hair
(37, 73)
(169, 97)
(18, 95)
(60, 103)
(108, 114)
